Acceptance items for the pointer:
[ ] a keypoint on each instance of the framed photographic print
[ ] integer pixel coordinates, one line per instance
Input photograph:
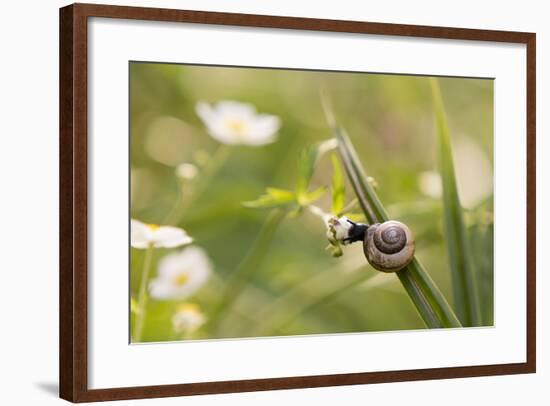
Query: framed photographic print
(255, 202)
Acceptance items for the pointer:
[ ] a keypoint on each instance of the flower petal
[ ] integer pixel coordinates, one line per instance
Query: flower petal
(139, 234)
(205, 112)
(220, 131)
(215, 123)
(170, 237)
(171, 265)
(192, 262)
(263, 130)
(162, 290)
(235, 110)
(188, 318)
(231, 122)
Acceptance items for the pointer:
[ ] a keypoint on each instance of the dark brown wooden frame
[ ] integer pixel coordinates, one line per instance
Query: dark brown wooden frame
(73, 362)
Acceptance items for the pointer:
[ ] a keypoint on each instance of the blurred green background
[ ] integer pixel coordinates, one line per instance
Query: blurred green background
(390, 120)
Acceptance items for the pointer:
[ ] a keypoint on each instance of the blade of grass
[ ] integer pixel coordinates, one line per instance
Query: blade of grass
(425, 295)
(465, 296)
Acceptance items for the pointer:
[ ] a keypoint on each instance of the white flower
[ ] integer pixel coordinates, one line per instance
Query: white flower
(188, 318)
(337, 233)
(338, 229)
(473, 171)
(145, 235)
(430, 184)
(181, 274)
(231, 122)
(186, 171)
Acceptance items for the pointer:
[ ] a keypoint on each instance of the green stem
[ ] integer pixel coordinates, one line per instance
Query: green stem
(183, 202)
(426, 297)
(465, 290)
(248, 266)
(423, 292)
(142, 296)
(176, 207)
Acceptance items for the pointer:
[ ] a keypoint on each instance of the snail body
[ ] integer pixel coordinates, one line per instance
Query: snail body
(389, 247)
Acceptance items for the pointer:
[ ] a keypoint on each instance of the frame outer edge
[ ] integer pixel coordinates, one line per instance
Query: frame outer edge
(73, 309)
(531, 175)
(299, 23)
(66, 297)
(80, 209)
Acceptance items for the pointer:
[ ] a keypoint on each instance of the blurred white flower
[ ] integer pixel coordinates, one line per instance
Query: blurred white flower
(430, 184)
(186, 171)
(474, 175)
(145, 235)
(181, 274)
(231, 122)
(188, 318)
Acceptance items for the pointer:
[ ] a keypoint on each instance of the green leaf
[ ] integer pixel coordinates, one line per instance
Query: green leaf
(338, 186)
(466, 300)
(310, 197)
(307, 162)
(281, 194)
(272, 197)
(425, 295)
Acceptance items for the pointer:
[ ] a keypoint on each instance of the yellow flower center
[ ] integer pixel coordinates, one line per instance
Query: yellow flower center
(188, 307)
(153, 227)
(237, 126)
(181, 279)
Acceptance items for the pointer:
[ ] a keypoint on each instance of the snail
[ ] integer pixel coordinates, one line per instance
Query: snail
(389, 246)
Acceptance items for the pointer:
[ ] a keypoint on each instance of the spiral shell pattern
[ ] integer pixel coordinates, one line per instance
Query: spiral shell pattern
(389, 246)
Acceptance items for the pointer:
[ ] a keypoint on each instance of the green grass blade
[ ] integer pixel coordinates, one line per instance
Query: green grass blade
(465, 297)
(425, 295)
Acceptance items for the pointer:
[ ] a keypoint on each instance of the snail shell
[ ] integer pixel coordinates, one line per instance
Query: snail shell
(389, 246)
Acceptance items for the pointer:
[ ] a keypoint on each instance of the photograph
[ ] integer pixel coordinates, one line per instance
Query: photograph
(284, 202)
